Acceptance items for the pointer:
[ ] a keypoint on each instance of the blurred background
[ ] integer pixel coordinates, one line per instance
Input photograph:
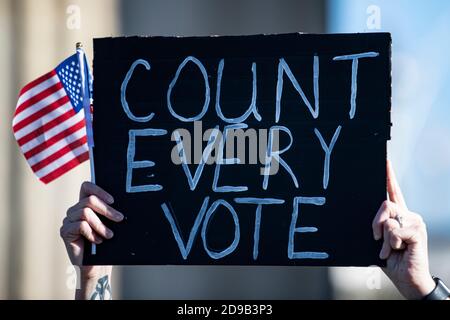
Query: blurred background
(36, 35)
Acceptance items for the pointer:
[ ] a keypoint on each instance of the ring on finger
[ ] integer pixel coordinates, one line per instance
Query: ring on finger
(399, 219)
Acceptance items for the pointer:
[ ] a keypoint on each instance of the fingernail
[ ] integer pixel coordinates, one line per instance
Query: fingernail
(376, 237)
(109, 234)
(99, 241)
(110, 199)
(119, 216)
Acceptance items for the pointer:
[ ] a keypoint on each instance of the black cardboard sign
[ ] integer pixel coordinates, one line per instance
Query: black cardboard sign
(319, 107)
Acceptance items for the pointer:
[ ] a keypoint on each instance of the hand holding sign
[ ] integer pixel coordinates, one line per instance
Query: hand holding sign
(404, 243)
(82, 222)
(148, 94)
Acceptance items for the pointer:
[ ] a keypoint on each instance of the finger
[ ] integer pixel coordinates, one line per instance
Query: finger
(88, 233)
(393, 188)
(387, 210)
(86, 214)
(73, 231)
(396, 241)
(388, 228)
(410, 235)
(99, 207)
(88, 188)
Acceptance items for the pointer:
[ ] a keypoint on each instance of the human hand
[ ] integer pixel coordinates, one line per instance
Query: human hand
(82, 222)
(404, 243)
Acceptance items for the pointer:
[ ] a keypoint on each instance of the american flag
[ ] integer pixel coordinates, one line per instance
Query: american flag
(49, 123)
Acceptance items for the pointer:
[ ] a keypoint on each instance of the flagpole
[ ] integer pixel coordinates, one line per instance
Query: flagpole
(87, 115)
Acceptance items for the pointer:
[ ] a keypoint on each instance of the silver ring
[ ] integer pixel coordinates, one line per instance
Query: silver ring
(399, 219)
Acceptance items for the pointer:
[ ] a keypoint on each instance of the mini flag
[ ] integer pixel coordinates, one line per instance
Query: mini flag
(49, 123)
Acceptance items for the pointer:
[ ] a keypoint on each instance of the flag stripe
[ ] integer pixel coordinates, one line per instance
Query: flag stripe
(38, 97)
(54, 144)
(49, 129)
(39, 106)
(34, 86)
(61, 161)
(38, 145)
(63, 169)
(65, 149)
(50, 142)
(52, 111)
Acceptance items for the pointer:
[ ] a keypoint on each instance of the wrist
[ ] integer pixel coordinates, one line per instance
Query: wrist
(440, 291)
(94, 283)
(425, 286)
(92, 273)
